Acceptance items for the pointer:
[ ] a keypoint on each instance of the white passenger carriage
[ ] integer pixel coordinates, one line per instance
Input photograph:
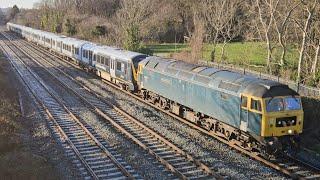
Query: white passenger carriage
(113, 64)
(117, 65)
(87, 57)
(70, 47)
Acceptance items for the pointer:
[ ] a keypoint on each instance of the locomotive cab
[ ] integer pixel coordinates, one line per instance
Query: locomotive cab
(283, 116)
(271, 111)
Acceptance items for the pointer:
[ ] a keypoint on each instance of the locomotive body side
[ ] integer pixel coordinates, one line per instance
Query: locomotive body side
(223, 101)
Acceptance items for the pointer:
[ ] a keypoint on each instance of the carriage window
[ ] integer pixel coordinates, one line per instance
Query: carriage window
(119, 66)
(255, 105)
(98, 59)
(244, 102)
(102, 60)
(107, 61)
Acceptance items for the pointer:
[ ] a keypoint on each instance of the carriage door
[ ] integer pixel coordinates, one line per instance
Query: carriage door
(72, 51)
(90, 57)
(112, 67)
(244, 113)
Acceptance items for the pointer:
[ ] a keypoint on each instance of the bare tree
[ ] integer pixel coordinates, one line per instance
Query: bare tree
(233, 24)
(310, 8)
(213, 11)
(266, 9)
(185, 10)
(281, 19)
(316, 45)
(196, 42)
(315, 62)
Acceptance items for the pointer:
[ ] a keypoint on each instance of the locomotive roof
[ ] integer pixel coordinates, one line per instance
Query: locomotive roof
(224, 80)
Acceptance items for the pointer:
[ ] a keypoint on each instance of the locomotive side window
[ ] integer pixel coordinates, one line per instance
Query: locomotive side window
(244, 102)
(255, 105)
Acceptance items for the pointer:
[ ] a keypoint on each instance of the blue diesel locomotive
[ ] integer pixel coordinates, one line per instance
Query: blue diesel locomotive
(240, 108)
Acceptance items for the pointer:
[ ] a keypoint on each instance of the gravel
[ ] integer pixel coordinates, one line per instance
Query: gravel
(214, 153)
(144, 164)
(38, 136)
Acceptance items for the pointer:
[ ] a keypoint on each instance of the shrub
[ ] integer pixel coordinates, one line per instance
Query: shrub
(70, 28)
(132, 39)
(99, 31)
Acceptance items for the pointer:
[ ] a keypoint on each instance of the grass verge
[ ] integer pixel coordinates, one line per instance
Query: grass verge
(252, 53)
(17, 159)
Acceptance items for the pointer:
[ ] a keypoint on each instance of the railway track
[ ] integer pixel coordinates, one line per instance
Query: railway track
(95, 158)
(289, 166)
(172, 157)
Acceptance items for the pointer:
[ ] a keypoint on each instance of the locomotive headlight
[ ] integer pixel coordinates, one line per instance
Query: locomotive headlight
(270, 143)
(290, 131)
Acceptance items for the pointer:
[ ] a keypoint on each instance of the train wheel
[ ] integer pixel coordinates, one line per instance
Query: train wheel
(162, 103)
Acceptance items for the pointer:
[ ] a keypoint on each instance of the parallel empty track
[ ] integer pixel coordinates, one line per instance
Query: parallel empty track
(172, 157)
(288, 166)
(98, 159)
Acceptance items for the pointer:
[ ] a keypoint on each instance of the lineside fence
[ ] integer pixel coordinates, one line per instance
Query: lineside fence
(301, 89)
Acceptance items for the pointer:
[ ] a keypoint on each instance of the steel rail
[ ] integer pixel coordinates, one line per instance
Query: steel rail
(60, 101)
(100, 112)
(274, 165)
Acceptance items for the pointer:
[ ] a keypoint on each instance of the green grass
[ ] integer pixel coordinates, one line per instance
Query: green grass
(166, 49)
(253, 53)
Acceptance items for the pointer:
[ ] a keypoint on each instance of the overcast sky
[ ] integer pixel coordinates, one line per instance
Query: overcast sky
(19, 3)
